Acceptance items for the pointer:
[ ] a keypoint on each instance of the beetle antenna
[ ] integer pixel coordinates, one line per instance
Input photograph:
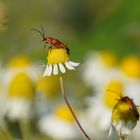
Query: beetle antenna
(42, 34)
(115, 92)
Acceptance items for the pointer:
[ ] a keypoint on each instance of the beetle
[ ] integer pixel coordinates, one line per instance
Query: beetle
(129, 102)
(54, 43)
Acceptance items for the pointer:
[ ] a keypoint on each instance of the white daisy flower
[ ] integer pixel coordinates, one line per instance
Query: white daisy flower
(124, 116)
(58, 60)
(19, 98)
(99, 69)
(19, 64)
(130, 67)
(99, 113)
(57, 129)
(130, 70)
(18, 109)
(19, 87)
(100, 108)
(59, 125)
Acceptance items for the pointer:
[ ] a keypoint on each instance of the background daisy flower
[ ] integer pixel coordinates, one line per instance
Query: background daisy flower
(131, 76)
(19, 87)
(99, 68)
(20, 63)
(130, 66)
(48, 86)
(100, 108)
(60, 124)
(47, 89)
(21, 92)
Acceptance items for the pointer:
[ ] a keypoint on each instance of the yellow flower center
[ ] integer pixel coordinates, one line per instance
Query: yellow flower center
(122, 112)
(131, 66)
(109, 58)
(21, 87)
(56, 56)
(63, 113)
(110, 97)
(19, 62)
(48, 86)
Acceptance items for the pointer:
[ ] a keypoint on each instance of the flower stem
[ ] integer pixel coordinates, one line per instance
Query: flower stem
(5, 131)
(25, 129)
(71, 110)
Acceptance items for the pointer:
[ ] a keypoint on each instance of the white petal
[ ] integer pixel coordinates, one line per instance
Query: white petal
(55, 69)
(48, 70)
(62, 68)
(70, 67)
(112, 133)
(73, 64)
(45, 71)
(44, 65)
(130, 125)
(18, 109)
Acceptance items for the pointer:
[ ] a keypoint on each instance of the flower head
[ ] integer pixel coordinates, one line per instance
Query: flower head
(19, 90)
(131, 66)
(19, 85)
(110, 99)
(125, 116)
(109, 59)
(19, 61)
(59, 125)
(103, 104)
(58, 59)
(63, 113)
(19, 64)
(45, 86)
(100, 68)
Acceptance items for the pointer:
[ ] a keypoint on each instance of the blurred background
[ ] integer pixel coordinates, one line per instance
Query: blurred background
(103, 35)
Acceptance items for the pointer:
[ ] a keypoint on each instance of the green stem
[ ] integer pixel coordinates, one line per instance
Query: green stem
(5, 131)
(71, 110)
(25, 129)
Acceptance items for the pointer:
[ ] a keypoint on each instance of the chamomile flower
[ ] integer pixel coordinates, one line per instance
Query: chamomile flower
(125, 116)
(45, 86)
(19, 87)
(100, 106)
(58, 60)
(59, 125)
(17, 64)
(21, 92)
(131, 66)
(100, 68)
(47, 89)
